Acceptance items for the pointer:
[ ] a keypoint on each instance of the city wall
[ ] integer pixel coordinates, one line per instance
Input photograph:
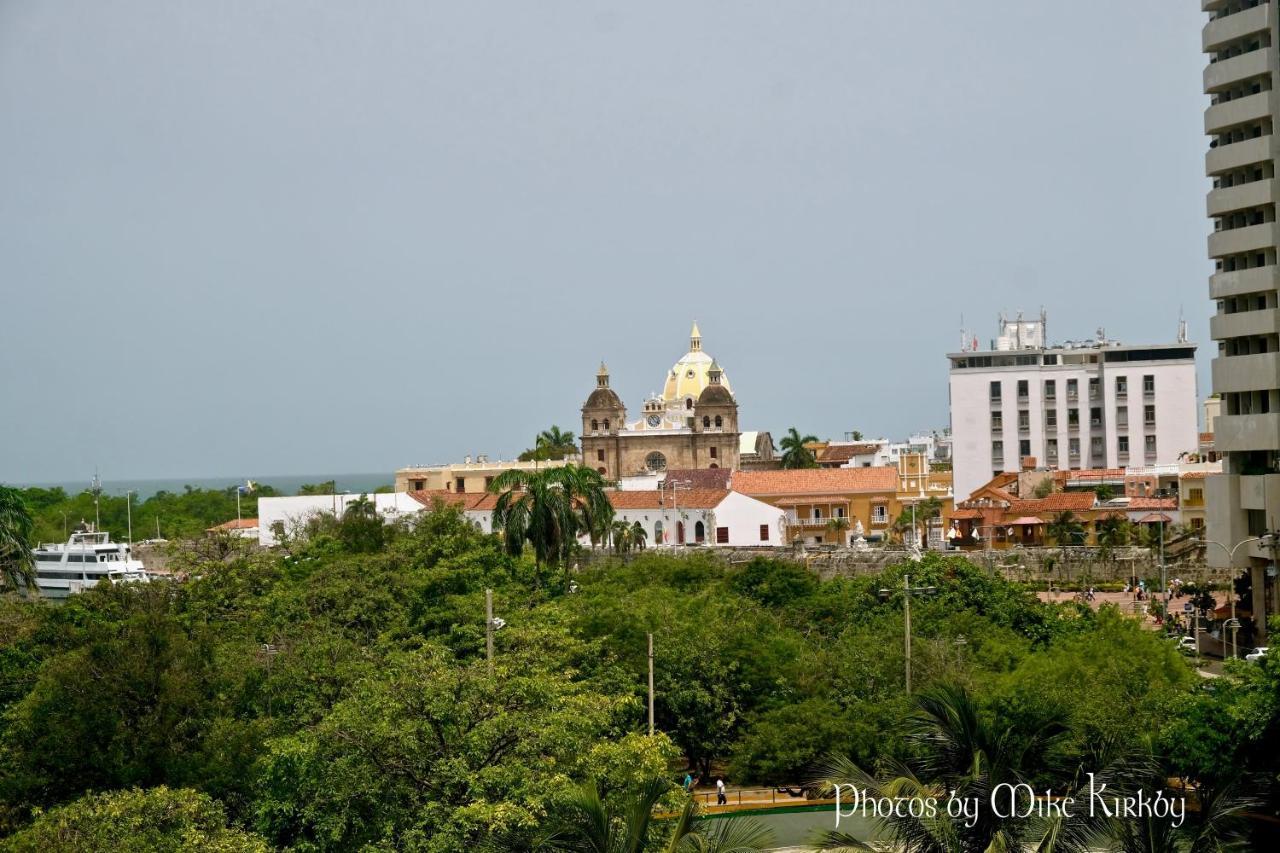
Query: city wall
(1025, 565)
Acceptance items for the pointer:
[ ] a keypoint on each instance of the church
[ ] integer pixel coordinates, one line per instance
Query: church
(692, 424)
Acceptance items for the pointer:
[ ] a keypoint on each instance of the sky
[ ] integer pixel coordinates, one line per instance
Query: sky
(245, 238)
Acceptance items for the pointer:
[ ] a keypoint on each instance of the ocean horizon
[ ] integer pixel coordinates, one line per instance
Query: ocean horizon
(287, 484)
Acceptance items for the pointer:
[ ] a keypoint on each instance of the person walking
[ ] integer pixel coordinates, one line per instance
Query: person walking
(721, 799)
(688, 782)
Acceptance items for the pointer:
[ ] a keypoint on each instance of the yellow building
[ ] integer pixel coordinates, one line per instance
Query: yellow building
(466, 476)
(866, 498)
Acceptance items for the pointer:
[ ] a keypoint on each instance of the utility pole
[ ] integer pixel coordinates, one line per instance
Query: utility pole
(128, 496)
(651, 685)
(906, 609)
(488, 628)
(907, 591)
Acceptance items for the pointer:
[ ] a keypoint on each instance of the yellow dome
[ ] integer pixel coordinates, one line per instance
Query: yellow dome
(688, 377)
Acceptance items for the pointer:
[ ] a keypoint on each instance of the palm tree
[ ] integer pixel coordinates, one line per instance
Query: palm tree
(917, 516)
(556, 442)
(836, 526)
(958, 750)
(638, 535)
(595, 511)
(592, 826)
(17, 538)
(1112, 532)
(548, 509)
(1065, 529)
(794, 452)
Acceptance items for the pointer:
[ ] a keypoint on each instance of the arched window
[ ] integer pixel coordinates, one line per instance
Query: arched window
(657, 533)
(606, 424)
(655, 461)
(688, 402)
(595, 425)
(699, 532)
(713, 465)
(601, 470)
(706, 421)
(719, 421)
(679, 532)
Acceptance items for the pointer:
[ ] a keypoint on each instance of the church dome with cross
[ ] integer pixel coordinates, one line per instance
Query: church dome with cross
(689, 377)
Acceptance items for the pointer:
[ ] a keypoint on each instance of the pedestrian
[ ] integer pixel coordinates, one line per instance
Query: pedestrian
(688, 782)
(721, 799)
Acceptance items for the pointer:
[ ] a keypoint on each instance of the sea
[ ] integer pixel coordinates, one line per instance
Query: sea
(285, 484)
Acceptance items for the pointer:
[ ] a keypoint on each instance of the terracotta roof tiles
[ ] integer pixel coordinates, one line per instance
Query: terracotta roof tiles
(690, 498)
(824, 481)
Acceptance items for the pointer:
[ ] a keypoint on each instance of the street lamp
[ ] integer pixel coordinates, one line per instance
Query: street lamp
(491, 624)
(908, 590)
(1234, 623)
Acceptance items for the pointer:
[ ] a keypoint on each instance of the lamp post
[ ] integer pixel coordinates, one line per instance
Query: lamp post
(907, 591)
(1235, 624)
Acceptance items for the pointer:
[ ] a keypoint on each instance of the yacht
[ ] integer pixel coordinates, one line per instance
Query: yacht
(87, 558)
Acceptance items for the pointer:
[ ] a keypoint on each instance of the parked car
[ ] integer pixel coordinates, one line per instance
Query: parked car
(1187, 645)
(1257, 654)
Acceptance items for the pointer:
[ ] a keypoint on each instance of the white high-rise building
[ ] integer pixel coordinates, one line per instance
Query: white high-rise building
(1076, 405)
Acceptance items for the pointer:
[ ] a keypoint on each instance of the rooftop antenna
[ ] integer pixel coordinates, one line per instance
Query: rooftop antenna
(964, 337)
(1182, 327)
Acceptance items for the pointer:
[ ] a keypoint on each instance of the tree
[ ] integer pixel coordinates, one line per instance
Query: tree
(794, 452)
(328, 487)
(17, 529)
(915, 518)
(1113, 532)
(436, 754)
(1065, 529)
(856, 435)
(590, 824)
(156, 820)
(836, 526)
(361, 529)
(552, 443)
(549, 509)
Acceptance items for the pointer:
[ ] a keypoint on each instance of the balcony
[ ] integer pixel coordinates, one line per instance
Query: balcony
(1244, 324)
(1224, 158)
(1211, 5)
(1247, 432)
(1238, 111)
(1256, 280)
(1238, 241)
(1246, 372)
(1240, 197)
(1219, 32)
(793, 521)
(1219, 75)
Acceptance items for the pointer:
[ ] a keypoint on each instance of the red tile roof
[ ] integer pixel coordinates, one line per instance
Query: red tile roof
(691, 498)
(845, 452)
(1057, 502)
(816, 481)
(1087, 474)
(1195, 475)
(235, 524)
(462, 500)
(699, 478)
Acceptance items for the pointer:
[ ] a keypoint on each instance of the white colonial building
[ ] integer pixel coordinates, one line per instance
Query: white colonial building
(1072, 406)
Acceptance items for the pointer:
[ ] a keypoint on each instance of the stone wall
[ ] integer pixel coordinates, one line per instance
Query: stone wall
(1025, 565)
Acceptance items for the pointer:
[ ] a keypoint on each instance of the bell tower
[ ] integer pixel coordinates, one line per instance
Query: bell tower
(603, 416)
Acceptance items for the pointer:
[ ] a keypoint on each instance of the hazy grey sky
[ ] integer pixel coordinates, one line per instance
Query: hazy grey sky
(247, 238)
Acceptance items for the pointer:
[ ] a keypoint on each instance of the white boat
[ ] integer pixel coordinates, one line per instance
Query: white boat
(86, 559)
